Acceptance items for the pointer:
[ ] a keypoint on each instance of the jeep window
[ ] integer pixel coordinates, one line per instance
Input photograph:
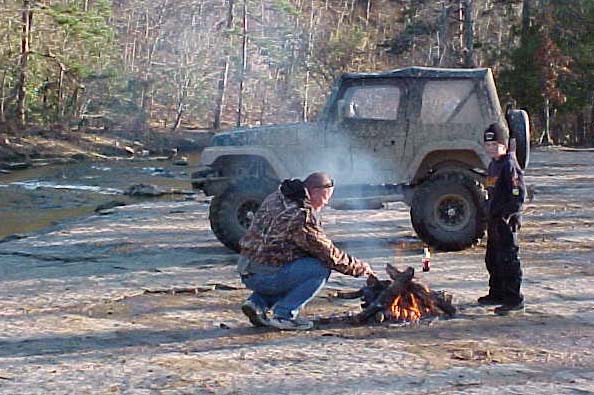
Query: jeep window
(372, 102)
(452, 101)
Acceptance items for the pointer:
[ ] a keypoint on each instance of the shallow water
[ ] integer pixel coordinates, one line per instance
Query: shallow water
(35, 198)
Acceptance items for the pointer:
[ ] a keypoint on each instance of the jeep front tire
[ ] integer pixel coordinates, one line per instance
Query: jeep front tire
(232, 211)
(447, 211)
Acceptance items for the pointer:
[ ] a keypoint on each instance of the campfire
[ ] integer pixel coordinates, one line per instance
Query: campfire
(399, 299)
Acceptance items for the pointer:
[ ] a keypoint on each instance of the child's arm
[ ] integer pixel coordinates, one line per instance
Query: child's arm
(514, 191)
(509, 193)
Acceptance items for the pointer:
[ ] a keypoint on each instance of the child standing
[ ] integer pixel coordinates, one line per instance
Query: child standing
(506, 192)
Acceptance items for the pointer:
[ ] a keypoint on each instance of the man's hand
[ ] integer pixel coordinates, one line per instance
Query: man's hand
(370, 272)
(363, 270)
(366, 270)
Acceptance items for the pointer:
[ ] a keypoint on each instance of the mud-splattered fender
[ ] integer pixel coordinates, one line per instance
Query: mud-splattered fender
(211, 154)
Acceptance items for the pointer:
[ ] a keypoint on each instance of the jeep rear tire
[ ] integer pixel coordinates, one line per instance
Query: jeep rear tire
(231, 212)
(447, 212)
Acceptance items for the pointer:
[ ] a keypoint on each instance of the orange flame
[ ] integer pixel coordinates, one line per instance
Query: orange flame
(408, 307)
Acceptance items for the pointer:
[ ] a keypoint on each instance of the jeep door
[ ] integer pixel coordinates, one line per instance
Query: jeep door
(367, 135)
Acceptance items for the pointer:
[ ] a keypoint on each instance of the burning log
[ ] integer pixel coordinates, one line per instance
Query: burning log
(389, 293)
(401, 299)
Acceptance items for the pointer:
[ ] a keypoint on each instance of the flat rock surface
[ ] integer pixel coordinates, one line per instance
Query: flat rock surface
(145, 300)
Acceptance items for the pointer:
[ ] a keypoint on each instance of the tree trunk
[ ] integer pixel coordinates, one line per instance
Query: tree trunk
(74, 102)
(147, 85)
(545, 138)
(222, 86)
(442, 35)
(181, 103)
(264, 103)
(243, 64)
(580, 130)
(305, 106)
(460, 31)
(468, 35)
(26, 20)
(590, 131)
(61, 95)
(2, 99)
(128, 47)
(526, 21)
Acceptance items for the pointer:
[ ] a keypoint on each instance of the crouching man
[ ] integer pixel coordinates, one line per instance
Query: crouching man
(286, 258)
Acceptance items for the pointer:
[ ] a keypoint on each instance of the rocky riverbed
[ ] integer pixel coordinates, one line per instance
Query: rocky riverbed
(145, 300)
(46, 195)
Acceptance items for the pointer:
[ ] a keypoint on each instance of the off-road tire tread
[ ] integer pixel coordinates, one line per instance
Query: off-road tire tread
(225, 228)
(423, 229)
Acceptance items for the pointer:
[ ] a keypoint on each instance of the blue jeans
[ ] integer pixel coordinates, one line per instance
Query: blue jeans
(290, 288)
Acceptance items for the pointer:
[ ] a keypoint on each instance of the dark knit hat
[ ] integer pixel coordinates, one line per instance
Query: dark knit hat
(293, 189)
(496, 132)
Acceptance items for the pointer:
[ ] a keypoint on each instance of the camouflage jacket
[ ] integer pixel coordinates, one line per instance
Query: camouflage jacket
(284, 230)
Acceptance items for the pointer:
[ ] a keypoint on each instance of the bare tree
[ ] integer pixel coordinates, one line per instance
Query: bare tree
(244, 53)
(27, 21)
(222, 84)
(310, 44)
(2, 97)
(468, 48)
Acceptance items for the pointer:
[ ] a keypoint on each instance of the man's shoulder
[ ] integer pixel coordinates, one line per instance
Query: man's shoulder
(275, 195)
(274, 200)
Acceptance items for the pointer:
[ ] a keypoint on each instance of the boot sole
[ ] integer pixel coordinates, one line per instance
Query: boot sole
(489, 303)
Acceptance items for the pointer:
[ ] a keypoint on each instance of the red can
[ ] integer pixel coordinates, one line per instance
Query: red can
(426, 261)
(426, 264)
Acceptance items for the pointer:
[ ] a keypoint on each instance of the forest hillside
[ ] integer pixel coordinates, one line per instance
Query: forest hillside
(141, 65)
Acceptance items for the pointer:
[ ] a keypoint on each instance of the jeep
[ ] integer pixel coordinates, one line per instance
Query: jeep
(413, 135)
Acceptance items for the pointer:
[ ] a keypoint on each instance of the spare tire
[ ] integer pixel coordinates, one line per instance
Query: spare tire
(447, 212)
(519, 127)
(231, 212)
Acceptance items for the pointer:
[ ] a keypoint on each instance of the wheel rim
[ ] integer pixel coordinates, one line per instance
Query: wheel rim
(452, 212)
(246, 212)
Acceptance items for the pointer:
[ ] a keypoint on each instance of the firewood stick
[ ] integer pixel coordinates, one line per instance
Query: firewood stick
(392, 271)
(426, 297)
(349, 294)
(443, 302)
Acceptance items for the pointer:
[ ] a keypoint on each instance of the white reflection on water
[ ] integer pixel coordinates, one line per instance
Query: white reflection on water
(34, 184)
(101, 168)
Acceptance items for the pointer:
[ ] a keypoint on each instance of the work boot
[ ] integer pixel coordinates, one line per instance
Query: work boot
(256, 316)
(489, 300)
(509, 308)
(295, 324)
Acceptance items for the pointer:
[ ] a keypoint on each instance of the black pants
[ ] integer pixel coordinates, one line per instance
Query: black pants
(503, 264)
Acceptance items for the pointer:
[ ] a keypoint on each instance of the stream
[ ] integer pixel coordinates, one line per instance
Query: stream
(38, 197)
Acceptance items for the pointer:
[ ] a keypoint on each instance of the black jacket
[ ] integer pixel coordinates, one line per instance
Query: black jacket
(506, 188)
